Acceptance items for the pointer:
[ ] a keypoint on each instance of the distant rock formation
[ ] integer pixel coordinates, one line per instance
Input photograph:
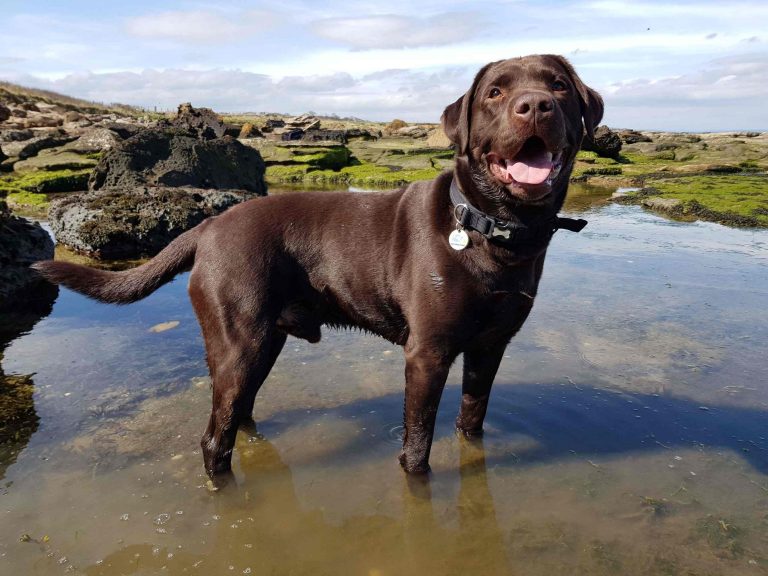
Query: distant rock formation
(203, 123)
(606, 143)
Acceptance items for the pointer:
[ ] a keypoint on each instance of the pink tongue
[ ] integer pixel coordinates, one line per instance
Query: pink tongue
(534, 169)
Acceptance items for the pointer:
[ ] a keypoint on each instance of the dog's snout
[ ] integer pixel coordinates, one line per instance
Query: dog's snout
(532, 105)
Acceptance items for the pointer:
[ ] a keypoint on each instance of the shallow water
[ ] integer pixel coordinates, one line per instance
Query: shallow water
(627, 432)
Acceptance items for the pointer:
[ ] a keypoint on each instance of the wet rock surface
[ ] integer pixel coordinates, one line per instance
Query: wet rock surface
(124, 222)
(21, 243)
(173, 157)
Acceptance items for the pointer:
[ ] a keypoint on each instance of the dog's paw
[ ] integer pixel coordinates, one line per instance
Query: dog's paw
(411, 468)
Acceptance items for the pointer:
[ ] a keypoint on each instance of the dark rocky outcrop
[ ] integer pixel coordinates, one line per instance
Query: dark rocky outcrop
(16, 135)
(171, 157)
(126, 222)
(123, 129)
(606, 143)
(321, 135)
(633, 137)
(5, 113)
(21, 243)
(201, 122)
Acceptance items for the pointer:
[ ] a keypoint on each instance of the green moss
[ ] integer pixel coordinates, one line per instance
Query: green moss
(588, 157)
(738, 200)
(363, 174)
(45, 181)
(286, 173)
(325, 158)
(28, 199)
(602, 171)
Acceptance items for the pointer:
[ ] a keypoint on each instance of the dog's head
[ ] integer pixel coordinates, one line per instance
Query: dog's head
(519, 126)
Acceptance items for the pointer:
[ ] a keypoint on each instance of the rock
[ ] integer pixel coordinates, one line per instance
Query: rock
(18, 113)
(290, 134)
(40, 121)
(16, 135)
(202, 122)
(273, 123)
(438, 139)
(5, 113)
(122, 129)
(411, 132)
(28, 148)
(3, 157)
(170, 157)
(324, 136)
(93, 141)
(359, 133)
(663, 204)
(249, 131)
(127, 221)
(55, 159)
(30, 107)
(606, 143)
(21, 243)
(73, 116)
(633, 137)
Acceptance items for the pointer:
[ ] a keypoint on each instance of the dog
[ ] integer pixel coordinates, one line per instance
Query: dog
(443, 267)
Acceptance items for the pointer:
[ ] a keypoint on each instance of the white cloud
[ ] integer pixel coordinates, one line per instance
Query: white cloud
(734, 78)
(198, 26)
(392, 31)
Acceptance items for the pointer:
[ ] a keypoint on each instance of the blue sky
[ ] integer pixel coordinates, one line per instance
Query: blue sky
(694, 66)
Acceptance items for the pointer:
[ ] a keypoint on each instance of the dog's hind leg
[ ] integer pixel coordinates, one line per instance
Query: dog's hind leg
(238, 367)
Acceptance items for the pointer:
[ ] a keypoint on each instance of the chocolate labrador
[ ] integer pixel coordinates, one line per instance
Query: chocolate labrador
(443, 267)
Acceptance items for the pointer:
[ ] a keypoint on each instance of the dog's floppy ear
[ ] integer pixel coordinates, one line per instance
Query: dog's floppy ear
(590, 101)
(456, 118)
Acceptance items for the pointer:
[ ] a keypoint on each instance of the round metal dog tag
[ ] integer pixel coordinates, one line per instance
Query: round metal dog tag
(458, 240)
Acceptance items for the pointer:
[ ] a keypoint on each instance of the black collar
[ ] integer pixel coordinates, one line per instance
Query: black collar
(504, 231)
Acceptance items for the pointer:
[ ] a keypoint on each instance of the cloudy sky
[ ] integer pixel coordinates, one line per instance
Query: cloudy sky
(695, 66)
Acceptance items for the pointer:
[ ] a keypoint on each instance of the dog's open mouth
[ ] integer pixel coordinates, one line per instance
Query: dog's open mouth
(533, 168)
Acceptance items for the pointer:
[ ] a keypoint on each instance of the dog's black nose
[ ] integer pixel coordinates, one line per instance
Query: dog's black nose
(533, 104)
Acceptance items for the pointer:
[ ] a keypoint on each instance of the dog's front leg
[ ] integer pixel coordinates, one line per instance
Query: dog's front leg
(480, 368)
(425, 372)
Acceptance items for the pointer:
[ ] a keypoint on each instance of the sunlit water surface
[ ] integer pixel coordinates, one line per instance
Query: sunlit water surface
(627, 432)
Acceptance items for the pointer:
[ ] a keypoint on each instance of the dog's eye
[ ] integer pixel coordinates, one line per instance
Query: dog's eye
(494, 93)
(559, 86)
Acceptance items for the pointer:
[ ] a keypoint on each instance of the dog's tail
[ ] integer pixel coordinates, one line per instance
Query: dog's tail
(128, 285)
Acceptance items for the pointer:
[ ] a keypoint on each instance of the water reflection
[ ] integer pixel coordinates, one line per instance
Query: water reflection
(261, 527)
(18, 418)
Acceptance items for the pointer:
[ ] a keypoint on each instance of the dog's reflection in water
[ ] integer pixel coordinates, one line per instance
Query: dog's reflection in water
(262, 528)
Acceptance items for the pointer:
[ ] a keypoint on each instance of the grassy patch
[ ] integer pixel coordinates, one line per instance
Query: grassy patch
(45, 181)
(286, 173)
(324, 158)
(737, 200)
(363, 174)
(28, 199)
